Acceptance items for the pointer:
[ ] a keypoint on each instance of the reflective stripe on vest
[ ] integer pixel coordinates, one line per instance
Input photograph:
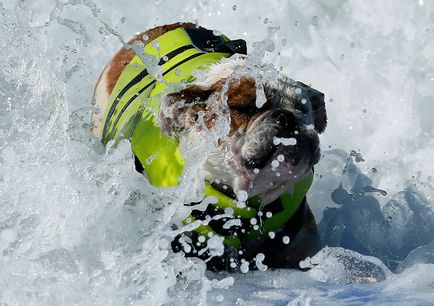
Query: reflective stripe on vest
(132, 111)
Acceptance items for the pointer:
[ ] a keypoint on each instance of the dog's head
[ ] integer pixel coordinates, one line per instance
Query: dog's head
(268, 148)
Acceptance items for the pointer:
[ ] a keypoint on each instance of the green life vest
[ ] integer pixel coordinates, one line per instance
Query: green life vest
(134, 105)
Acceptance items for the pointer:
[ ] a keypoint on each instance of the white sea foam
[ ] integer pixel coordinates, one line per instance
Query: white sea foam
(78, 225)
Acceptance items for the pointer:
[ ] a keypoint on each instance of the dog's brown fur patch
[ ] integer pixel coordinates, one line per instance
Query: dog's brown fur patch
(242, 93)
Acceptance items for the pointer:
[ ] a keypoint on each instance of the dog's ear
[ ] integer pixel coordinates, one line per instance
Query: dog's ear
(241, 93)
(318, 107)
(182, 109)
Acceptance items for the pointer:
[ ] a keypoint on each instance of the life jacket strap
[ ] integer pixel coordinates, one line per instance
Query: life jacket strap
(288, 204)
(207, 41)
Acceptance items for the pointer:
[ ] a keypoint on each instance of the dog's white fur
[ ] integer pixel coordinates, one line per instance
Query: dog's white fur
(101, 99)
(220, 70)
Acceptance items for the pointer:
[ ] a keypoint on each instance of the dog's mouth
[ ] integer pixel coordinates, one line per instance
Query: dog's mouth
(274, 152)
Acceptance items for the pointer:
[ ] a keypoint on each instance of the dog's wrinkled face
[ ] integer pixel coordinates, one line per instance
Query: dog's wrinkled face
(268, 148)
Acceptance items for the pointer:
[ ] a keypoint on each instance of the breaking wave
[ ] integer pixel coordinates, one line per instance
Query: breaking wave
(78, 225)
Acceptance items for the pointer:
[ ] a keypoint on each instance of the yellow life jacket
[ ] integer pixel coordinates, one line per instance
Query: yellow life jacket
(134, 105)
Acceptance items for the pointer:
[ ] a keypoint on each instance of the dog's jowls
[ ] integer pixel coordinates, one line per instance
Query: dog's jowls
(267, 150)
(284, 130)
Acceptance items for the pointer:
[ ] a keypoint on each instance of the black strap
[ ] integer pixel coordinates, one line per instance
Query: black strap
(207, 41)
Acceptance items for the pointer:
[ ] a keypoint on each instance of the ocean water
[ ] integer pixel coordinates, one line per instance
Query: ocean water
(78, 225)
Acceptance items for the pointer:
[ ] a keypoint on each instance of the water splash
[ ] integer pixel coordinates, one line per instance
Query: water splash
(78, 225)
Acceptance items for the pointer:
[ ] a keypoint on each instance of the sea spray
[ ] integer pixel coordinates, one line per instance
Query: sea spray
(78, 225)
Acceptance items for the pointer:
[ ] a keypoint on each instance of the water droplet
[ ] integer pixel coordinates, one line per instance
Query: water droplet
(285, 141)
(269, 214)
(285, 239)
(244, 267)
(389, 219)
(216, 33)
(253, 221)
(266, 20)
(275, 164)
(284, 41)
(280, 158)
(298, 91)
(145, 37)
(242, 195)
(256, 170)
(357, 156)
(368, 188)
(271, 235)
(234, 7)
(123, 19)
(315, 21)
(229, 211)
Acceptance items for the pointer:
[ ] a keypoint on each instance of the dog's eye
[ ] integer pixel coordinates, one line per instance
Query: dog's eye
(251, 109)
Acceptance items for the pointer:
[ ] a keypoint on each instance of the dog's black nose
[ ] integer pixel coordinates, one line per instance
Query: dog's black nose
(285, 120)
(261, 141)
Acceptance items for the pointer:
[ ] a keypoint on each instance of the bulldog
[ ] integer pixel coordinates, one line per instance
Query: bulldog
(259, 171)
